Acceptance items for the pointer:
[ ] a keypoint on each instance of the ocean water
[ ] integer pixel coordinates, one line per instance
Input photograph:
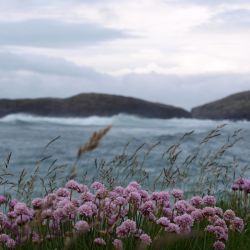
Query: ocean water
(26, 136)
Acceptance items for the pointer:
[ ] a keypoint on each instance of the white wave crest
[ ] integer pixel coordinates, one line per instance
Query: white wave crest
(121, 120)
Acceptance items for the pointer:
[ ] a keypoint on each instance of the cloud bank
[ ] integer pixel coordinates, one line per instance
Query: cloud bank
(183, 53)
(54, 33)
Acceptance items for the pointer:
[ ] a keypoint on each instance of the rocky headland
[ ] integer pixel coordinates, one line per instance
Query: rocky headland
(84, 105)
(233, 107)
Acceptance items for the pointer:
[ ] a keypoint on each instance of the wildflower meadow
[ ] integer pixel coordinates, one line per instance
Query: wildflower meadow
(100, 215)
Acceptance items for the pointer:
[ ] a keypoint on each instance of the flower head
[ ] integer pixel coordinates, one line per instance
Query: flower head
(209, 200)
(163, 221)
(229, 215)
(3, 199)
(238, 224)
(82, 226)
(126, 228)
(117, 244)
(37, 203)
(145, 238)
(196, 201)
(100, 242)
(178, 194)
(219, 245)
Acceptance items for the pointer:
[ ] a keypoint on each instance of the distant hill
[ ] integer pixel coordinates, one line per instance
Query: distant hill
(233, 107)
(84, 105)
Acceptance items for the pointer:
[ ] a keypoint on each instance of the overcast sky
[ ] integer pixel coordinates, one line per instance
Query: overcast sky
(180, 52)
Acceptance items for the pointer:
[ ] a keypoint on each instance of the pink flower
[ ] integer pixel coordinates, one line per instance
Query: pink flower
(229, 215)
(196, 201)
(219, 245)
(73, 185)
(120, 201)
(124, 212)
(58, 214)
(240, 182)
(126, 228)
(238, 224)
(113, 195)
(49, 200)
(185, 221)
(112, 220)
(134, 184)
(22, 219)
(145, 239)
(88, 209)
(163, 221)
(221, 223)
(213, 218)
(167, 212)
(135, 197)
(209, 200)
(83, 188)
(3, 199)
(69, 209)
(63, 202)
(119, 190)
(130, 189)
(218, 211)
(13, 203)
(208, 211)
(147, 208)
(246, 186)
(11, 215)
(220, 233)
(178, 194)
(36, 238)
(87, 196)
(46, 213)
(10, 243)
(117, 244)
(162, 197)
(172, 228)
(82, 226)
(62, 192)
(144, 195)
(21, 209)
(197, 215)
(101, 193)
(181, 206)
(97, 185)
(4, 237)
(209, 229)
(37, 203)
(100, 242)
(235, 187)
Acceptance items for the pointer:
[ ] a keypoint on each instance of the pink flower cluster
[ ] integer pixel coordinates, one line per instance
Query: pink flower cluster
(241, 184)
(112, 216)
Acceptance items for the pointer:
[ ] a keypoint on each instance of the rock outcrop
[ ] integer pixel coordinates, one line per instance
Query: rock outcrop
(233, 107)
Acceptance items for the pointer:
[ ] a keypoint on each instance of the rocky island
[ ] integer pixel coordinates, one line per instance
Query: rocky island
(233, 107)
(84, 105)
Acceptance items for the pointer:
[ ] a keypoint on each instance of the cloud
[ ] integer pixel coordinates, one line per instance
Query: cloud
(46, 65)
(208, 2)
(54, 33)
(186, 91)
(236, 21)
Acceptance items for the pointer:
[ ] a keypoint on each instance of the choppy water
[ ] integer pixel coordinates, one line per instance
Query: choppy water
(25, 136)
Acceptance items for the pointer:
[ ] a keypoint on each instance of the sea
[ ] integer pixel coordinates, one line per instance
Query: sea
(27, 141)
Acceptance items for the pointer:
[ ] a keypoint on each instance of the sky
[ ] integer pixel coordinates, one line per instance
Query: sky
(179, 52)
